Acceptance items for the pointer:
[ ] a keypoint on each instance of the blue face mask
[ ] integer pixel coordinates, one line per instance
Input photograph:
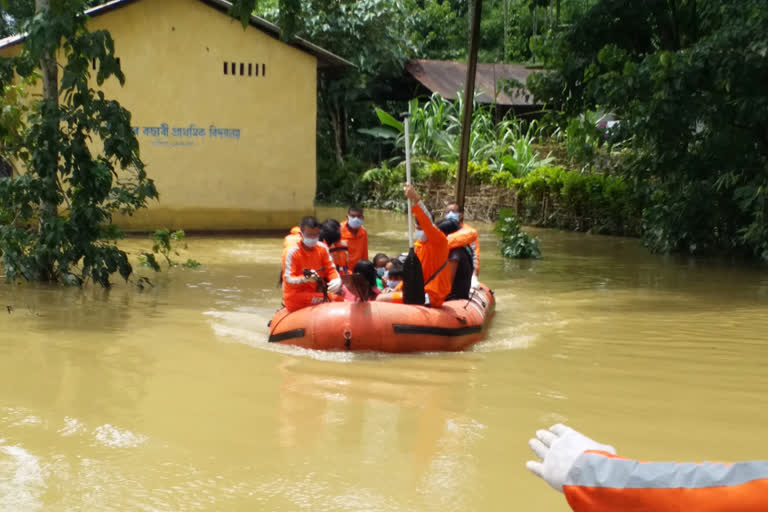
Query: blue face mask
(354, 222)
(453, 216)
(381, 271)
(392, 284)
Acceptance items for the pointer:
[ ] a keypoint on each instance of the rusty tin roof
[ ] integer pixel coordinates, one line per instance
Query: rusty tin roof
(447, 77)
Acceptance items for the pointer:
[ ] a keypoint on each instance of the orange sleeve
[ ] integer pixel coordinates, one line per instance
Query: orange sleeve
(425, 221)
(461, 238)
(600, 482)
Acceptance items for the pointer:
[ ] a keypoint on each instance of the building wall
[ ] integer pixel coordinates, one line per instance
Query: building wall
(259, 173)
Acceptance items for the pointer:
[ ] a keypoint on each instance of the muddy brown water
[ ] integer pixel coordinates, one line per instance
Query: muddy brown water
(170, 399)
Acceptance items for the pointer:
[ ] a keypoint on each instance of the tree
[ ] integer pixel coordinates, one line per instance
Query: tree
(692, 107)
(56, 216)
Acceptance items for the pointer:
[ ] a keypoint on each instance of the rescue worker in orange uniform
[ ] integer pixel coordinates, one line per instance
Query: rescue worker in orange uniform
(308, 255)
(594, 479)
(466, 236)
(355, 235)
(431, 247)
(330, 235)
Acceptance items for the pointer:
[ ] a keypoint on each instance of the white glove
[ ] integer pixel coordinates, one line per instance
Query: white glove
(558, 448)
(475, 282)
(334, 285)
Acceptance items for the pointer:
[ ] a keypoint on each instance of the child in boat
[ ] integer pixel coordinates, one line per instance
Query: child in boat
(370, 291)
(394, 275)
(380, 263)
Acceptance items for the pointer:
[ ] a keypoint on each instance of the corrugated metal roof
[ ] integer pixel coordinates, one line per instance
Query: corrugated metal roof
(325, 59)
(447, 77)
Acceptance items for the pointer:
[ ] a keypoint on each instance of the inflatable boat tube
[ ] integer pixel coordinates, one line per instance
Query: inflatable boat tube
(386, 327)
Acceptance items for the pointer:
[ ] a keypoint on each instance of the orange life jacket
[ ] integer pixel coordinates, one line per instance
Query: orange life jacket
(466, 237)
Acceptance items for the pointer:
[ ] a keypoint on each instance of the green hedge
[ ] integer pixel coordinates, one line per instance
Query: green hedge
(547, 196)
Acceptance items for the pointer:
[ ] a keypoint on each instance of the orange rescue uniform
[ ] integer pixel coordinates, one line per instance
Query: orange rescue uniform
(356, 242)
(601, 482)
(433, 255)
(297, 292)
(466, 236)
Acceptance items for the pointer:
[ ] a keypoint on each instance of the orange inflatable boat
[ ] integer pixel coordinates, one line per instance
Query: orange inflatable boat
(386, 327)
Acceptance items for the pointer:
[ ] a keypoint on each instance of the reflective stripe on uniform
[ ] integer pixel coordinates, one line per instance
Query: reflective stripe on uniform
(287, 275)
(598, 470)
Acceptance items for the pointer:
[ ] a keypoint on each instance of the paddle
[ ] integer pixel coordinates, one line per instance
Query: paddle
(413, 276)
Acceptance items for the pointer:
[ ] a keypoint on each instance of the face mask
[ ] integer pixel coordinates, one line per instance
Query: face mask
(392, 284)
(310, 242)
(453, 216)
(420, 235)
(354, 222)
(381, 271)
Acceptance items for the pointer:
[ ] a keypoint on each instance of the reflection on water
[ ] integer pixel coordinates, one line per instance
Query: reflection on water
(170, 398)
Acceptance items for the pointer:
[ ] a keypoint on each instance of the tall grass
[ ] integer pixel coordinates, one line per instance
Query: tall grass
(507, 145)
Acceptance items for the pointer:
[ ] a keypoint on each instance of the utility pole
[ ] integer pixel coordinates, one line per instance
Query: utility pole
(469, 98)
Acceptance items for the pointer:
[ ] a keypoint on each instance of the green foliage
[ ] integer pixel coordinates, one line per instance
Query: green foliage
(583, 137)
(513, 241)
(340, 182)
(506, 146)
(385, 187)
(694, 109)
(190, 263)
(166, 243)
(57, 216)
(556, 197)
(163, 242)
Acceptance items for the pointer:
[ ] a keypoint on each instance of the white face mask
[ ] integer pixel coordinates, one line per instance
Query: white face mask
(310, 242)
(420, 235)
(453, 216)
(354, 222)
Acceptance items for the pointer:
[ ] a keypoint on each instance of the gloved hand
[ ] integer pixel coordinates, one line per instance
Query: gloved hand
(558, 448)
(475, 282)
(334, 285)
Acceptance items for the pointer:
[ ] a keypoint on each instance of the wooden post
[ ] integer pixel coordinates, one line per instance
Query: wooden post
(469, 98)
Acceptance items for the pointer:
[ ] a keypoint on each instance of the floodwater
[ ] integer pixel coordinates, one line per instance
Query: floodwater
(170, 399)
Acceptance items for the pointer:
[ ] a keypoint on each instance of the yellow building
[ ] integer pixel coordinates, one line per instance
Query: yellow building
(225, 117)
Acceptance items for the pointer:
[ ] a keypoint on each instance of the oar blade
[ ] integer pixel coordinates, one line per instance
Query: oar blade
(413, 280)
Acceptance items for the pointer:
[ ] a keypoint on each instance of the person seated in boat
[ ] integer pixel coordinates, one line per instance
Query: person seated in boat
(365, 271)
(465, 236)
(394, 275)
(353, 232)
(459, 263)
(291, 239)
(308, 266)
(380, 261)
(431, 247)
(330, 235)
